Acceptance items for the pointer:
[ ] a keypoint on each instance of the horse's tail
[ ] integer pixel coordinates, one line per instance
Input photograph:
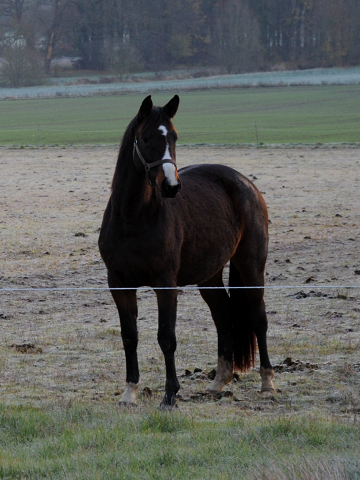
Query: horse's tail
(244, 339)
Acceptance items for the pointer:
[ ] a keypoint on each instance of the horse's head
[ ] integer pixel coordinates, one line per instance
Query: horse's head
(154, 146)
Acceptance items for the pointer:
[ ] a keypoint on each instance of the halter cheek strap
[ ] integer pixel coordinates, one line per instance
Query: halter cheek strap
(149, 166)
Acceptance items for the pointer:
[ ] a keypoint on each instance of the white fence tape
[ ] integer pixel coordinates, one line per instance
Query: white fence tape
(190, 287)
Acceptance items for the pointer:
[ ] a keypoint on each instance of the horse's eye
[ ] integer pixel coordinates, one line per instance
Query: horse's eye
(145, 139)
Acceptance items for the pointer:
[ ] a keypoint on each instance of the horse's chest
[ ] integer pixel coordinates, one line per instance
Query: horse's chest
(136, 261)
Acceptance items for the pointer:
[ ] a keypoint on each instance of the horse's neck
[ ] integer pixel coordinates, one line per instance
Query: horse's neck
(132, 196)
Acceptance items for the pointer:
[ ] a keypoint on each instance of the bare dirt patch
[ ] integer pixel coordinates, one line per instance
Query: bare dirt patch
(65, 345)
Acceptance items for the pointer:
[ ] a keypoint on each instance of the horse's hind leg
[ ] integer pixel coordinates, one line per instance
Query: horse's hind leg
(251, 273)
(219, 304)
(126, 304)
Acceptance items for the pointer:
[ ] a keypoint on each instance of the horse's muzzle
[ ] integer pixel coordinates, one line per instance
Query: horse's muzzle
(169, 191)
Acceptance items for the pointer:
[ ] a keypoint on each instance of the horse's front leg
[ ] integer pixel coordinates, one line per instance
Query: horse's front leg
(167, 303)
(127, 307)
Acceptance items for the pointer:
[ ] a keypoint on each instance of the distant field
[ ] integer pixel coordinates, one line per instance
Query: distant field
(271, 115)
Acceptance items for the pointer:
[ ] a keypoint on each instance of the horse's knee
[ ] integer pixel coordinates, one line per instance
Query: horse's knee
(167, 342)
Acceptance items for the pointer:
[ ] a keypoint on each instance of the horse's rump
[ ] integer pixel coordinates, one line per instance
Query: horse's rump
(216, 208)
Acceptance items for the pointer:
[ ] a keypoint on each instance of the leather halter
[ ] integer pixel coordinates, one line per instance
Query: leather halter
(149, 166)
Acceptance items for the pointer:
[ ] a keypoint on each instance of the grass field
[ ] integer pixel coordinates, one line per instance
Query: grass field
(84, 442)
(272, 115)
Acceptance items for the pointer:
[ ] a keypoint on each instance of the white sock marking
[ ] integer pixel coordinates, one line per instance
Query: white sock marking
(129, 396)
(224, 373)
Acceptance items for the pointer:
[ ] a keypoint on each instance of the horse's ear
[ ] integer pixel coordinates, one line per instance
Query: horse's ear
(145, 108)
(171, 108)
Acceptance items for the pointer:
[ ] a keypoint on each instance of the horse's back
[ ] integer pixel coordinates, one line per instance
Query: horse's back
(215, 174)
(214, 182)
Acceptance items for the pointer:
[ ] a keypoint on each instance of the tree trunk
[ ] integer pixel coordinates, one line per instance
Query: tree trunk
(49, 53)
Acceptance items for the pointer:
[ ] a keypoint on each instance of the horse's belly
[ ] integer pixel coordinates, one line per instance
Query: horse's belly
(199, 266)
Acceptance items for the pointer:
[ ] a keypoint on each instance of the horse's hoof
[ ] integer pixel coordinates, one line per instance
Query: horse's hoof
(168, 404)
(213, 394)
(267, 386)
(167, 408)
(268, 392)
(212, 391)
(127, 405)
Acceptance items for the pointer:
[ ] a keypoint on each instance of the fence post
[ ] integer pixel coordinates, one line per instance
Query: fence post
(256, 135)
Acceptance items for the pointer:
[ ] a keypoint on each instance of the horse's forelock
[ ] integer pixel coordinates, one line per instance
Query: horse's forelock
(156, 116)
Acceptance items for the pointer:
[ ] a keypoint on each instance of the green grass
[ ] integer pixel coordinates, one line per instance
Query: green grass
(104, 443)
(296, 114)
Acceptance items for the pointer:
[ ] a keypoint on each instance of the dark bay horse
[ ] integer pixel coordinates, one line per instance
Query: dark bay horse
(169, 228)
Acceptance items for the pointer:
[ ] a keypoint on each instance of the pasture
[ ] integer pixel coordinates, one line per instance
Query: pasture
(269, 115)
(61, 357)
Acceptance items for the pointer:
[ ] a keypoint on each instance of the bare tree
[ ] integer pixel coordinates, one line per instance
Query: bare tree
(236, 36)
(20, 66)
(12, 9)
(51, 15)
(16, 19)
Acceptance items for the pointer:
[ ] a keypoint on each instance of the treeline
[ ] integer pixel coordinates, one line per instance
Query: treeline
(309, 33)
(134, 35)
